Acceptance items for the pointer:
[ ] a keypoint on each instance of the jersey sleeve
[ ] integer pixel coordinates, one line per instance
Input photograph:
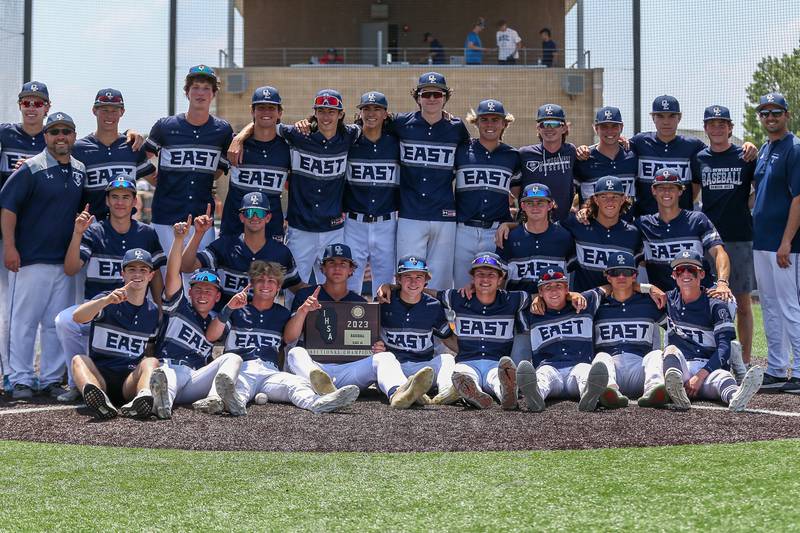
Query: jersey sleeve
(154, 247)
(143, 165)
(694, 167)
(441, 326)
(291, 277)
(170, 305)
(463, 133)
(225, 165)
(88, 243)
(593, 299)
(520, 322)
(209, 256)
(793, 168)
(156, 138)
(445, 297)
(516, 177)
(724, 333)
(18, 190)
(709, 234)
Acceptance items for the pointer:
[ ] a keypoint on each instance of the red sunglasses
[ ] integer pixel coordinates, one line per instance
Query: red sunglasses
(114, 99)
(547, 276)
(31, 103)
(680, 269)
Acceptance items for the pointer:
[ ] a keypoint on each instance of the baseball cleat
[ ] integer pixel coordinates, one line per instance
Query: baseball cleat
(211, 405)
(446, 397)
(772, 384)
(749, 387)
(321, 382)
(412, 389)
(528, 384)
(673, 381)
(140, 407)
(72, 395)
(335, 401)
(261, 398)
(230, 399)
(736, 361)
(53, 390)
(507, 375)
(613, 399)
(596, 384)
(97, 401)
(654, 397)
(160, 390)
(469, 392)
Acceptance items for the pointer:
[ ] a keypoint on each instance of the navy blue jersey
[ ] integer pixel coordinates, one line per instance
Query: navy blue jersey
(45, 195)
(120, 332)
(726, 179)
(407, 330)
(231, 258)
(484, 180)
(625, 165)
(690, 230)
(302, 295)
(702, 329)
(427, 159)
(373, 176)
(316, 187)
(594, 244)
(15, 144)
(103, 163)
(183, 333)
(486, 331)
(102, 249)
(777, 182)
(563, 338)
(554, 169)
(527, 253)
(628, 327)
(255, 334)
(654, 154)
(265, 169)
(188, 158)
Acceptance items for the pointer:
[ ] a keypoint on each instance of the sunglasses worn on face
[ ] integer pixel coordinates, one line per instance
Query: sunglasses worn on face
(32, 103)
(62, 131)
(680, 269)
(550, 124)
(256, 212)
(774, 112)
(327, 101)
(617, 272)
(547, 276)
(431, 94)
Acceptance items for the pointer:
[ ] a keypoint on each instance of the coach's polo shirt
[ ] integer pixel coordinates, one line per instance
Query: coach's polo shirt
(777, 182)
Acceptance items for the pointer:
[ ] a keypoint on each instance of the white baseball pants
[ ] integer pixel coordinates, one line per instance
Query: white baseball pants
(307, 248)
(713, 386)
(259, 376)
(372, 242)
(469, 243)
(432, 241)
(74, 338)
(186, 385)
(442, 365)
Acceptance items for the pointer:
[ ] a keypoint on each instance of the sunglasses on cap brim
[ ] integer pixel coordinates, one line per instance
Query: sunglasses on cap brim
(121, 184)
(555, 276)
(488, 261)
(204, 277)
(412, 266)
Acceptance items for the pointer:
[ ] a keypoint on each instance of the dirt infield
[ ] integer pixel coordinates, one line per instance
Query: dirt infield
(371, 426)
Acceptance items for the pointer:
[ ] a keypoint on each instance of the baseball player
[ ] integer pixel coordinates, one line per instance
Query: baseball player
(673, 229)
(106, 153)
(410, 320)
(256, 332)
(371, 197)
(699, 333)
(191, 149)
(100, 247)
(264, 167)
(231, 255)
(552, 161)
(607, 158)
(124, 323)
(486, 169)
(601, 233)
(726, 181)
(39, 203)
(428, 142)
(188, 373)
(19, 142)
(381, 367)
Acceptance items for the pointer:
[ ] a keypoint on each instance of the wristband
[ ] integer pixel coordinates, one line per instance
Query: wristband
(644, 288)
(224, 316)
(725, 281)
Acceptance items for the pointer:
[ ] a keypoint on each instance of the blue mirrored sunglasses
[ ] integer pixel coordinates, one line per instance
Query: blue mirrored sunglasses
(413, 265)
(538, 193)
(487, 260)
(121, 184)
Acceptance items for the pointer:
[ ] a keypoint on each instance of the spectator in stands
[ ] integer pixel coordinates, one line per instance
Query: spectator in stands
(508, 44)
(548, 47)
(473, 50)
(436, 55)
(331, 57)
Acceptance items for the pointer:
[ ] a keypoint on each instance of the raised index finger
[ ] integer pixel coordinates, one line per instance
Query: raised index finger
(316, 291)
(208, 210)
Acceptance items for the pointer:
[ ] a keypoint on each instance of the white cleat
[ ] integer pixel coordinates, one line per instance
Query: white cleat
(749, 387)
(673, 381)
(226, 388)
(596, 384)
(321, 382)
(335, 401)
(529, 387)
(413, 389)
(160, 390)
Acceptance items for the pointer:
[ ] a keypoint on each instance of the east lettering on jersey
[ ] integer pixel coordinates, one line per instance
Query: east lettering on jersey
(483, 181)
(527, 253)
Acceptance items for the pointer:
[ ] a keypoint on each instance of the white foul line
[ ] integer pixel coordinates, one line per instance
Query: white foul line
(39, 409)
(759, 411)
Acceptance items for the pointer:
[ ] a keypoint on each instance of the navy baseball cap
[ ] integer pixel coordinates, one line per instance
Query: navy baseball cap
(687, 257)
(35, 88)
(202, 70)
(204, 275)
(623, 260)
(413, 264)
(137, 255)
(111, 97)
(432, 79)
(338, 251)
(667, 176)
(666, 104)
(488, 260)
(608, 115)
(609, 184)
(773, 99)
(373, 98)
(551, 274)
(266, 95)
(551, 112)
(59, 118)
(329, 98)
(536, 190)
(122, 180)
(714, 112)
(255, 200)
(491, 107)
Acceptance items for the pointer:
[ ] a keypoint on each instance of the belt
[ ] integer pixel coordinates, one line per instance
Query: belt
(485, 224)
(176, 362)
(361, 217)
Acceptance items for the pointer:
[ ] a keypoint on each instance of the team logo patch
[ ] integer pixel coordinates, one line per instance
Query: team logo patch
(371, 97)
(432, 78)
(59, 116)
(254, 200)
(490, 105)
(770, 97)
(717, 111)
(620, 259)
(548, 110)
(201, 67)
(266, 94)
(609, 184)
(608, 114)
(337, 249)
(34, 87)
(664, 104)
(138, 254)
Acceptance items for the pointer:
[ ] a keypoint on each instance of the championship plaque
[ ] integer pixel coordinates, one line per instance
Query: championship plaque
(341, 332)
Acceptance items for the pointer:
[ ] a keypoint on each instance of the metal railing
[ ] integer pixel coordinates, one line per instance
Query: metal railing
(374, 56)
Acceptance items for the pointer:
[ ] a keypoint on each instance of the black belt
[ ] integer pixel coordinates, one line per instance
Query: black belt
(479, 224)
(361, 217)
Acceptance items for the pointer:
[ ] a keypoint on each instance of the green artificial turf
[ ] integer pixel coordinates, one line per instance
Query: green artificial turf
(750, 486)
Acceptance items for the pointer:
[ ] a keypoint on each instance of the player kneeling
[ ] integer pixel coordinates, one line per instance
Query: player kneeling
(124, 322)
(696, 359)
(255, 331)
(184, 376)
